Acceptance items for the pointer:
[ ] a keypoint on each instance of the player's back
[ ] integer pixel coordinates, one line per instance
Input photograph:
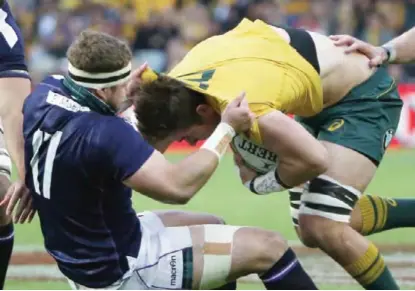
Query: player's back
(254, 59)
(86, 214)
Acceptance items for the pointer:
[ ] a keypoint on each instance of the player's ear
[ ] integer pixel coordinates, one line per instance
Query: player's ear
(104, 94)
(204, 110)
(100, 93)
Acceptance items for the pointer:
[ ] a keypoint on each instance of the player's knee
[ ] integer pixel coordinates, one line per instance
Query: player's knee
(311, 229)
(265, 248)
(320, 232)
(326, 207)
(274, 241)
(273, 248)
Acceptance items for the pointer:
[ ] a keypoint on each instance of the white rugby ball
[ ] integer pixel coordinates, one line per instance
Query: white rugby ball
(254, 155)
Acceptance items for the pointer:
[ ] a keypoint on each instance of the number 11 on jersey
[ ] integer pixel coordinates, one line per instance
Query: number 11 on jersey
(7, 30)
(40, 138)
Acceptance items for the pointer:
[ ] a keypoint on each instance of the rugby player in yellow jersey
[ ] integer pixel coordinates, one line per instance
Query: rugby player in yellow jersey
(350, 111)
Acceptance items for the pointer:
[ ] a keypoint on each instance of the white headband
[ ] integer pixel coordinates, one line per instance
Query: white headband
(99, 80)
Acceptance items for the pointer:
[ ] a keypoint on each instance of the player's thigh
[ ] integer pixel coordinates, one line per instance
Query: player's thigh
(349, 167)
(357, 140)
(165, 259)
(359, 129)
(172, 218)
(356, 132)
(203, 256)
(154, 221)
(223, 253)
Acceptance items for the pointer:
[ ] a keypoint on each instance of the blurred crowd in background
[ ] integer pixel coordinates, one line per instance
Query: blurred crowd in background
(162, 31)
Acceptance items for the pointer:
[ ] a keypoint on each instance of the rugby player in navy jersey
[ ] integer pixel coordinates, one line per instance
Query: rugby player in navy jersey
(14, 87)
(82, 162)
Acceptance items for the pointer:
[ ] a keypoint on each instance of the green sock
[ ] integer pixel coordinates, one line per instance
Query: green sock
(379, 214)
(385, 281)
(371, 272)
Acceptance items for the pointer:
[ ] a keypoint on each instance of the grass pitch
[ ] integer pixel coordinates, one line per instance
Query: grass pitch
(226, 197)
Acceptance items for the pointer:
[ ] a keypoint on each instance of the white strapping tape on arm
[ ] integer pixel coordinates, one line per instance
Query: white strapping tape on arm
(265, 184)
(216, 268)
(220, 139)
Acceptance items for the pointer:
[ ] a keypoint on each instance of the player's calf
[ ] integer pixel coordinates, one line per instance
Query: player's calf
(324, 222)
(225, 253)
(371, 214)
(374, 214)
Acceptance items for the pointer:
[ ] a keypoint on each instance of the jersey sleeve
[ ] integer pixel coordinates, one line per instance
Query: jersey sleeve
(12, 50)
(118, 148)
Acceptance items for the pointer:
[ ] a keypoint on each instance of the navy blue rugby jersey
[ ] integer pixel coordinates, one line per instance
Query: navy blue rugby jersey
(76, 161)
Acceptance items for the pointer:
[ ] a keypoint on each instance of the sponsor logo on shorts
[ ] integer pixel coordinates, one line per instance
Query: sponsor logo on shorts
(336, 125)
(173, 271)
(387, 138)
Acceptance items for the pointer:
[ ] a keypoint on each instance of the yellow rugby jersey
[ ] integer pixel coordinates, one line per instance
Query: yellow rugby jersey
(252, 58)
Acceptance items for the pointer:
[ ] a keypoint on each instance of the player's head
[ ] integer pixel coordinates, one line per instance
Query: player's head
(100, 63)
(166, 109)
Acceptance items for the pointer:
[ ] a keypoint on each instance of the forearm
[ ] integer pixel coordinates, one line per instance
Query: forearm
(173, 183)
(177, 183)
(192, 173)
(13, 137)
(404, 47)
(13, 92)
(272, 182)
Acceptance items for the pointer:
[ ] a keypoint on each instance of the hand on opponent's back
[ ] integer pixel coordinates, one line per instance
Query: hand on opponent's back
(377, 55)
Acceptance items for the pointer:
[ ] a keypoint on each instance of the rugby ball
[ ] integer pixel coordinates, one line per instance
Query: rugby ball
(254, 155)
